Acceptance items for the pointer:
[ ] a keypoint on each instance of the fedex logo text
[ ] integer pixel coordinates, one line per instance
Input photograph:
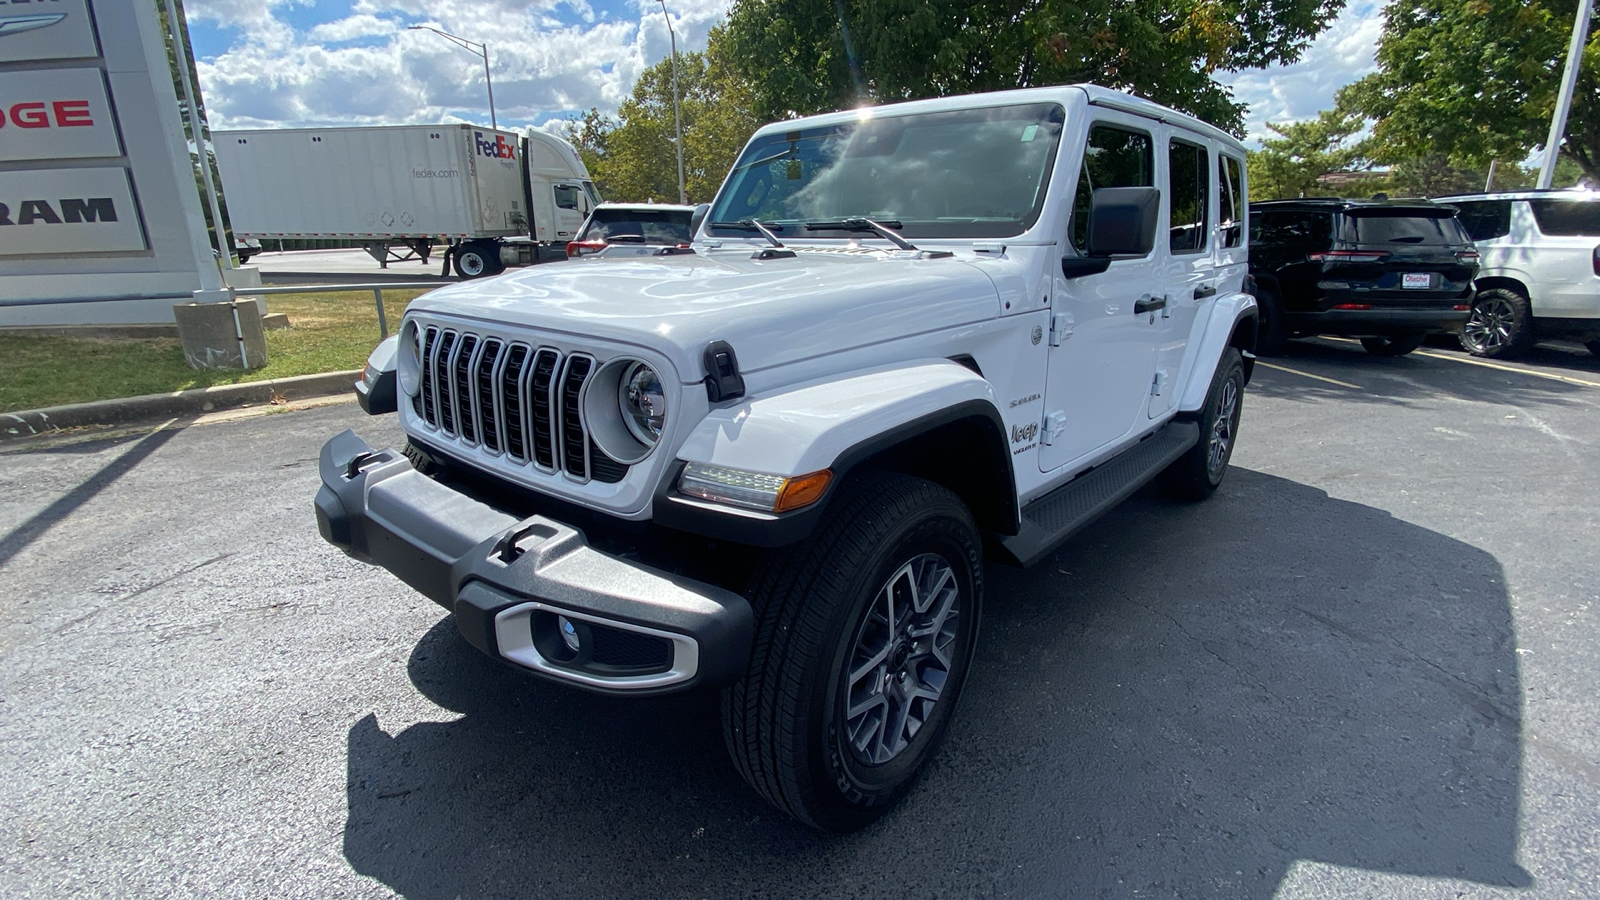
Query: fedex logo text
(499, 148)
(66, 114)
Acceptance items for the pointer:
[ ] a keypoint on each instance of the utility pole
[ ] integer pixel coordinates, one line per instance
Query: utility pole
(1569, 81)
(677, 122)
(472, 47)
(196, 125)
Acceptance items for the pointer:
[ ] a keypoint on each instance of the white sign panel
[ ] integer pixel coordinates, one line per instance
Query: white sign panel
(55, 114)
(55, 211)
(46, 29)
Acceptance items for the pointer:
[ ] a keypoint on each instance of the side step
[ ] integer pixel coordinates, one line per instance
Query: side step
(1058, 515)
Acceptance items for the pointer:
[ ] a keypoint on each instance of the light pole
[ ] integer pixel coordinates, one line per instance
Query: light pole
(480, 49)
(677, 123)
(1569, 80)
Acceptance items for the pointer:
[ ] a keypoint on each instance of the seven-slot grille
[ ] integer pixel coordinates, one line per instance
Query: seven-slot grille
(510, 398)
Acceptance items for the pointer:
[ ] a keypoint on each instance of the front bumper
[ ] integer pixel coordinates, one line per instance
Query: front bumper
(514, 585)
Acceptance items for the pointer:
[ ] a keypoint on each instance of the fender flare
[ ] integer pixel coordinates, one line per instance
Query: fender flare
(841, 423)
(1229, 314)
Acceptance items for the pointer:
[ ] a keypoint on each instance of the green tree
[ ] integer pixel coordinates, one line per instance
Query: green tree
(633, 157)
(1476, 80)
(1290, 164)
(808, 56)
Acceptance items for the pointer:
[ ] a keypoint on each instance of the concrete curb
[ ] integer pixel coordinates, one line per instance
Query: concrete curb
(30, 422)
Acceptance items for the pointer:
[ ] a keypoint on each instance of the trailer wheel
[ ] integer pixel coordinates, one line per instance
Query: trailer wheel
(478, 259)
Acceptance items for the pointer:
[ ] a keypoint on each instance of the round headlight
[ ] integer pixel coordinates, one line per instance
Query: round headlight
(408, 365)
(643, 402)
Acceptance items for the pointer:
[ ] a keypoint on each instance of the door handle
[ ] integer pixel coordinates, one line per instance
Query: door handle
(1148, 304)
(1204, 291)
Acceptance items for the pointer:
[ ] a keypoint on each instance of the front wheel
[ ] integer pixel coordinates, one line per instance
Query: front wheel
(1393, 345)
(864, 635)
(1196, 474)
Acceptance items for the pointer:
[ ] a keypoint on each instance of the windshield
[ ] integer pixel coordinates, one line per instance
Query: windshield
(965, 173)
(648, 226)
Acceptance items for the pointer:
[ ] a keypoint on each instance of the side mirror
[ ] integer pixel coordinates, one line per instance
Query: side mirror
(1122, 221)
(697, 217)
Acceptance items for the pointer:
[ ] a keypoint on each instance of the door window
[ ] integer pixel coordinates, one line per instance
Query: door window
(1230, 194)
(567, 195)
(1113, 157)
(1189, 177)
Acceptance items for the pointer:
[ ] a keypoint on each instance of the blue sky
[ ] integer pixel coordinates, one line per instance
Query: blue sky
(267, 63)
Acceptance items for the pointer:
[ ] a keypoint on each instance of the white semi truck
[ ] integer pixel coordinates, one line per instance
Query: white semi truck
(494, 198)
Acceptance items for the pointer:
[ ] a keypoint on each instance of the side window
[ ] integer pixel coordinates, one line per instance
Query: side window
(1485, 220)
(567, 195)
(1113, 157)
(1189, 171)
(1295, 232)
(1230, 201)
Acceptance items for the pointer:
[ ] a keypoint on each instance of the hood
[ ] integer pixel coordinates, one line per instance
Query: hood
(777, 311)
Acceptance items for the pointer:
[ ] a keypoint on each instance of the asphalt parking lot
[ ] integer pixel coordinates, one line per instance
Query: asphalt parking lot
(1369, 667)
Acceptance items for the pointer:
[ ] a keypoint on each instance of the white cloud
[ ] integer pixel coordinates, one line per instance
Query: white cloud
(349, 29)
(1291, 93)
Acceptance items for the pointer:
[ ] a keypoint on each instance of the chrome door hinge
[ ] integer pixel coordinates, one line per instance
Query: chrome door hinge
(1060, 328)
(1055, 425)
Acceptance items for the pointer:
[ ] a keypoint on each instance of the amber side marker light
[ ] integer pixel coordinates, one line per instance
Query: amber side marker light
(803, 490)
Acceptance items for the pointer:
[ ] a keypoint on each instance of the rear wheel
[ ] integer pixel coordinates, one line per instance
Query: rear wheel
(864, 635)
(1501, 325)
(1394, 344)
(1196, 474)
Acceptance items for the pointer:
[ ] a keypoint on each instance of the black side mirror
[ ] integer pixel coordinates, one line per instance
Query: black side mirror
(1122, 221)
(697, 217)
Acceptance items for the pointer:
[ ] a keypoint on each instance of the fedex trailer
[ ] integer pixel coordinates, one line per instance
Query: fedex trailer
(493, 198)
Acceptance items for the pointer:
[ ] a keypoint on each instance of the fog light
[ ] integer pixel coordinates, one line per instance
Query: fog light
(569, 633)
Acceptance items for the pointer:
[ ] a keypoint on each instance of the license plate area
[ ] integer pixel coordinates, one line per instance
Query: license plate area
(1416, 281)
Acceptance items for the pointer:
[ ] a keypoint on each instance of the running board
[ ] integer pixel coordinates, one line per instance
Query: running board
(1058, 515)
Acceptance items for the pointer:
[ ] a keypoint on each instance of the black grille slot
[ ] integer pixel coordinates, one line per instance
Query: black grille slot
(574, 442)
(603, 468)
(428, 408)
(636, 653)
(441, 374)
(514, 398)
(544, 374)
(483, 394)
(461, 370)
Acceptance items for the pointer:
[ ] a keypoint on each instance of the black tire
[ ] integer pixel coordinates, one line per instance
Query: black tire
(1196, 474)
(786, 721)
(1594, 346)
(478, 259)
(1394, 344)
(1272, 332)
(1501, 325)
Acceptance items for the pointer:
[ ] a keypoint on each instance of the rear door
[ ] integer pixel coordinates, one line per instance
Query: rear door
(1188, 279)
(1102, 352)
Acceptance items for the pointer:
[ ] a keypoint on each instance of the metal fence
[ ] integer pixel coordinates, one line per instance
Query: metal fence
(377, 290)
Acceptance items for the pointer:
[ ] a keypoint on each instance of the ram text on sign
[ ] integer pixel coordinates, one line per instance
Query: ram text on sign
(46, 29)
(56, 211)
(55, 114)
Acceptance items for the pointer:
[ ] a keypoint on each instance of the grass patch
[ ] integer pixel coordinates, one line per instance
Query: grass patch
(328, 333)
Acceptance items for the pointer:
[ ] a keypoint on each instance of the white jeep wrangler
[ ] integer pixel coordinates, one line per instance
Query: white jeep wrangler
(906, 338)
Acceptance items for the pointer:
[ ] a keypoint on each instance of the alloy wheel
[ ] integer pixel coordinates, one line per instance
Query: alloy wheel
(900, 659)
(1221, 438)
(1489, 327)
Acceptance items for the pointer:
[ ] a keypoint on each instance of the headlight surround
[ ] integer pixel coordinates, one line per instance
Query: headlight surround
(643, 402)
(408, 364)
(752, 490)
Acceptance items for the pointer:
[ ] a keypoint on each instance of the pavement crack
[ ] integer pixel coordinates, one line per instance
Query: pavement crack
(1208, 649)
(146, 589)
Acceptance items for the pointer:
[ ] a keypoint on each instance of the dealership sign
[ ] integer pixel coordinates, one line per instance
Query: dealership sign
(56, 114)
(54, 211)
(46, 29)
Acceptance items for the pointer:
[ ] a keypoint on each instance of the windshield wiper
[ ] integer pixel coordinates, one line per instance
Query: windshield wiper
(861, 223)
(754, 225)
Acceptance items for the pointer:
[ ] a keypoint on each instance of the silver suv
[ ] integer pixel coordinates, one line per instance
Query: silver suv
(1540, 269)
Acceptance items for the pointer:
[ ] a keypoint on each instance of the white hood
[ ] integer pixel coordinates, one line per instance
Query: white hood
(822, 301)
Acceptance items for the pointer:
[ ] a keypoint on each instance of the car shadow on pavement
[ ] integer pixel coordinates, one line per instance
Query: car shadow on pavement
(1182, 701)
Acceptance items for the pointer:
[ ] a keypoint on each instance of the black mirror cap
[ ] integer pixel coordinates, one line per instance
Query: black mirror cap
(697, 217)
(1122, 221)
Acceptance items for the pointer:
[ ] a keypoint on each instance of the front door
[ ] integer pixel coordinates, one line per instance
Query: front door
(1102, 352)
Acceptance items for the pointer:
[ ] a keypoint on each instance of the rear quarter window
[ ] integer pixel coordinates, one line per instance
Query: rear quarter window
(1400, 228)
(1567, 218)
(1485, 220)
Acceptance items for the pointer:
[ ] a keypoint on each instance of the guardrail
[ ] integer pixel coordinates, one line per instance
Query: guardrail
(376, 288)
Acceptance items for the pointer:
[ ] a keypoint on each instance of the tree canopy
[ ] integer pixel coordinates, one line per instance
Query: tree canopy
(807, 56)
(1476, 80)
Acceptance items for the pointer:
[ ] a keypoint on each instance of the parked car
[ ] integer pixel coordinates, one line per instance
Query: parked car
(1540, 275)
(773, 465)
(642, 225)
(1387, 272)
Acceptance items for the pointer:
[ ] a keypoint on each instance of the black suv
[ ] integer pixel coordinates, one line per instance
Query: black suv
(1388, 272)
